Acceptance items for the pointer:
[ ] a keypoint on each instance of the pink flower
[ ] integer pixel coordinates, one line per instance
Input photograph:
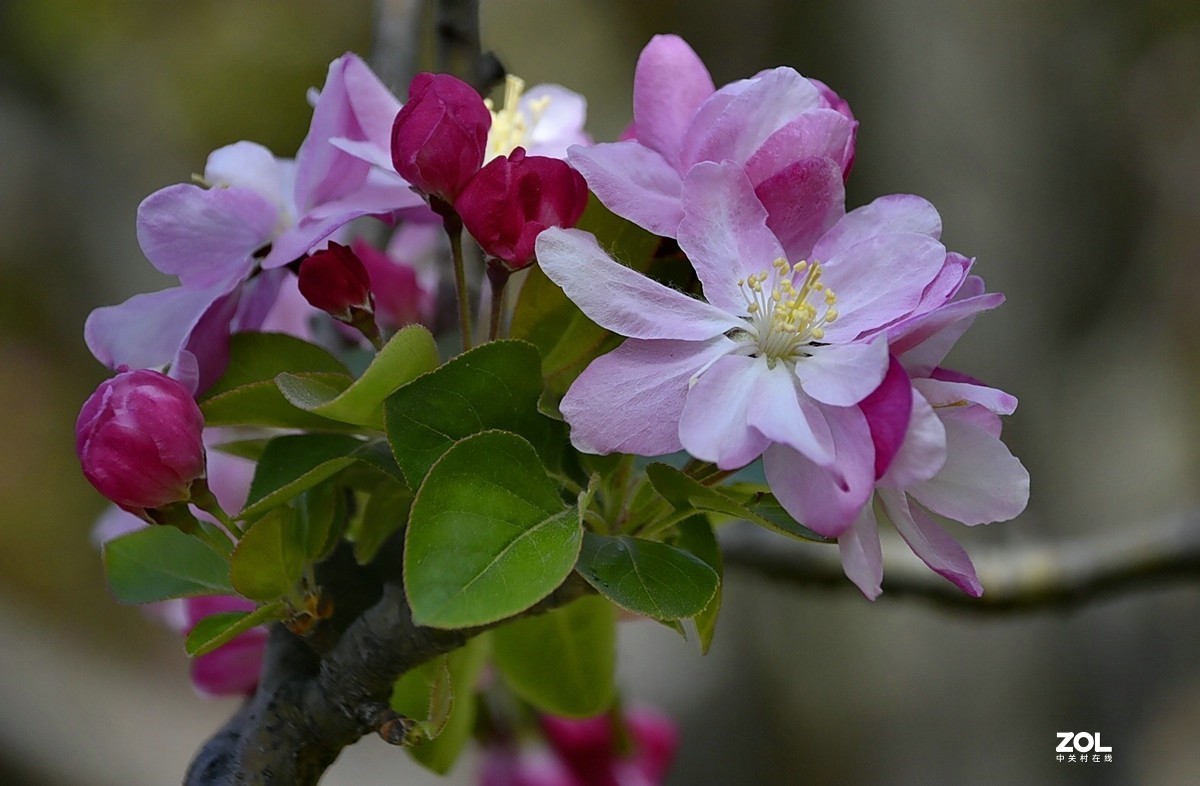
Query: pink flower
(588, 746)
(139, 442)
(440, 135)
(948, 458)
(513, 198)
(402, 295)
(233, 668)
(794, 137)
(773, 363)
(545, 120)
(336, 281)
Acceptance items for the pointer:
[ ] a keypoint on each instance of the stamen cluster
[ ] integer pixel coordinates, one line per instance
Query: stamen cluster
(782, 320)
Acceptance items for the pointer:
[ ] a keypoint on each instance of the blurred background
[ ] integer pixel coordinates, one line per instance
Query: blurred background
(1061, 142)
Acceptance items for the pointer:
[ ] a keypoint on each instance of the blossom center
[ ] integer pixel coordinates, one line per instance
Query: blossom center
(781, 319)
(511, 127)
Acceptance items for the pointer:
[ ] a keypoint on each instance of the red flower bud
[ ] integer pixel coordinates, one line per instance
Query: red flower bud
(139, 440)
(440, 135)
(512, 199)
(335, 281)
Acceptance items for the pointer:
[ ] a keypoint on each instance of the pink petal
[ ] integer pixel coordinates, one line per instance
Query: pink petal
(668, 86)
(879, 280)
(981, 480)
(888, 409)
(204, 236)
(634, 182)
(928, 541)
(250, 165)
(758, 109)
(783, 413)
(713, 426)
(826, 500)
(923, 451)
(896, 213)
(232, 669)
(940, 393)
(724, 232)
(803, 199)
(621, 299)
(373, 105)
(630, 400)
(323, 172)
(820, 133)
(560, 123)
(843, 374)
(923, 342)
(862, 556)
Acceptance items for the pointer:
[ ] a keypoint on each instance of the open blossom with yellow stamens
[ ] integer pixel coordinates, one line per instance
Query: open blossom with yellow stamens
(776, 358)
(545, 120)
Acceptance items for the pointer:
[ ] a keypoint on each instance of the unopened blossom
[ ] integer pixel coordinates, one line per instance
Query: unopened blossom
(335, 281)
(403, 296)
(949, 458)
(439, 136)
(139, 440)
(233, 668)
(590, 749)
(514, 198)
(794, 137)
(772, 361)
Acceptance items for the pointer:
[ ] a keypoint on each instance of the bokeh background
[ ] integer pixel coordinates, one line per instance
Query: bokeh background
(1061, 142)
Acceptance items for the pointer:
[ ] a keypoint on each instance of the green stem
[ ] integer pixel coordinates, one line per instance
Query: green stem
(203, 498)
(453, 226)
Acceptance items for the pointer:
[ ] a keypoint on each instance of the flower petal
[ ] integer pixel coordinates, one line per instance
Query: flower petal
(820, 133)
(880, 280)
(895, 213)
(630, 400)
(826, 500)
(669, 84)
(981, 481)
(843, 374)
(928, 541)
(862, 556)
(620, 299)
(250, 165)
(724, 232)
(632, 181)
(888, 409)
(783, 413)
(713, 426)
(204, 236)
(924, 341)
(323, 172)
(923, 452)
(941, 393)
(803, 200)
(560, 122)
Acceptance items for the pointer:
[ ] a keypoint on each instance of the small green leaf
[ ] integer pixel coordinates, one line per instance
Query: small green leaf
(562, 662)
(696, 536)
(158, 563)
(261, 404)
(494, 386)
(686, 493)
(320, 519)
(488, 536)
(385, 513)
(218, 629)
(259, 357)
(269, 560)
(294, 463)
(408, 354)
(648, 578)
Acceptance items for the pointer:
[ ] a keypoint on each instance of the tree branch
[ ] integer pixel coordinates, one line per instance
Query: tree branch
(1065, 574)
(459, 51)
(395, 53)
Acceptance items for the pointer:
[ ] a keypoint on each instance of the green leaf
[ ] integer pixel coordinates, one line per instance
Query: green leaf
(686, 493)
(494, 386)
(566, 339)
(562, 662)
(216, 630)
(488, 536)
(261, 404)
(158, 563)
(408, 354)
(385, 513)
(415, 694)
(696, 536)
(320, 519)
(295, 463)
(648, 578)
(269, 560)
(259, 357)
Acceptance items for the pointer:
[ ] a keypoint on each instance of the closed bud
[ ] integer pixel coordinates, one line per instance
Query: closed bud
(512, 199)
(139, 440)
(439, 137)
(335, 281)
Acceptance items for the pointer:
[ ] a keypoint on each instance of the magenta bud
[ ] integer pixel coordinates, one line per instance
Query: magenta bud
(139, 440)
(589, 746)
(512, 199)
(336, 281)
(440, 135)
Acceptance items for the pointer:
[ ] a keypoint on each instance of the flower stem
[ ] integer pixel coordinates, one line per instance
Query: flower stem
(498, 276)
(453, 226)
(203, 498)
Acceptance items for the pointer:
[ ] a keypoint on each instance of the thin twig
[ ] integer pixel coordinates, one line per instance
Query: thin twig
(395, 53)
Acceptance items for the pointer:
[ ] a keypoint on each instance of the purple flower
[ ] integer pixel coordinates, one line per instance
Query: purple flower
(947, 458)
(776, 358)
(513, 198)
(794, 137)
(139, 442)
